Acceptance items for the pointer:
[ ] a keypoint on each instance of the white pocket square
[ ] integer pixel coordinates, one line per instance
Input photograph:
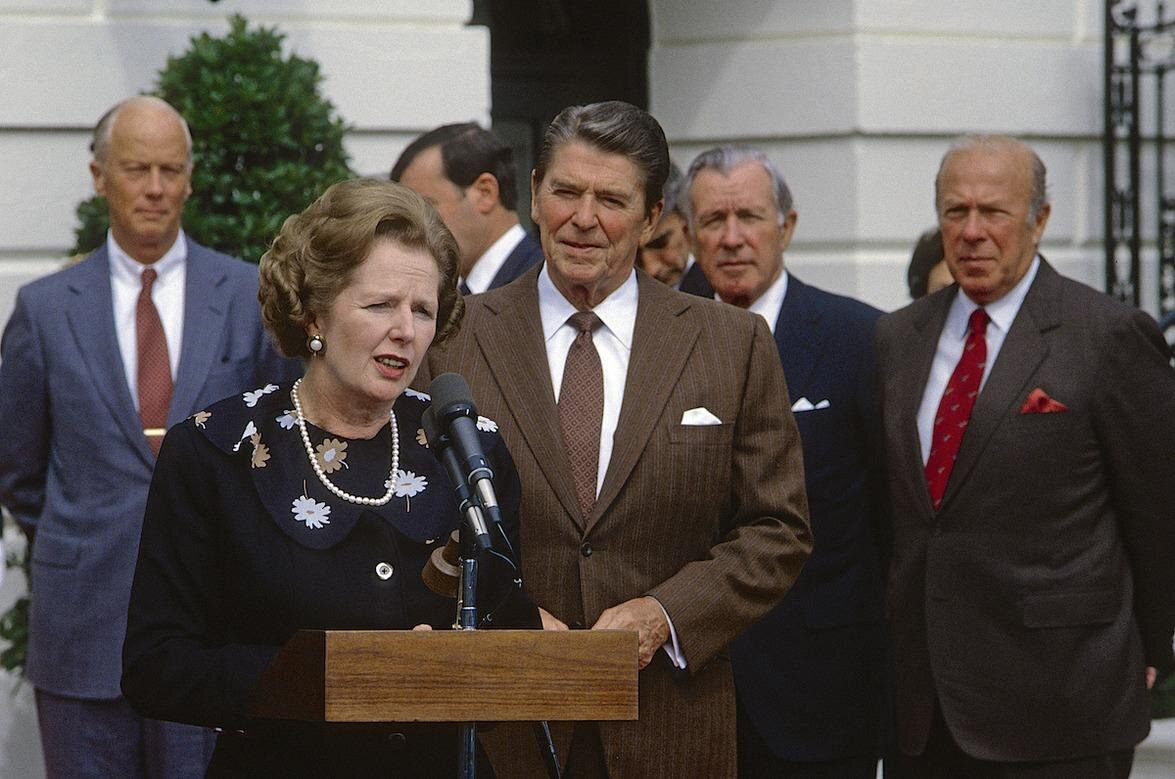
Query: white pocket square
(803, 404)
(699, 416)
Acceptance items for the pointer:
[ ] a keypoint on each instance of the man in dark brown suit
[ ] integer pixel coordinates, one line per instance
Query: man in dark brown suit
(686, 521)
(1032, 583)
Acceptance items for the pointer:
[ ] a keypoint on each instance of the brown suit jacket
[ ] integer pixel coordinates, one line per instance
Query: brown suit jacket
(709, 520)
(1030, 603)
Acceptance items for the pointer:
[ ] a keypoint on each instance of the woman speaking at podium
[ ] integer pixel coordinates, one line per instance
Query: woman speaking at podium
(314, 505)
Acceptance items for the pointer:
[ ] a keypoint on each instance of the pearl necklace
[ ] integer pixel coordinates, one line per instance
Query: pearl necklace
(322, 474)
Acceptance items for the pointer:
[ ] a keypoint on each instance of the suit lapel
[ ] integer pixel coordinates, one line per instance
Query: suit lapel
(514, 348)
(91, 319)
(798, 336)
(1023, 351)
(205, 310)
(653, 371)
(916, 358)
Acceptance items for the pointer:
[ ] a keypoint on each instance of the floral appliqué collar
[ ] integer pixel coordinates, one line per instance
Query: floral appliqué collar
(260, 428)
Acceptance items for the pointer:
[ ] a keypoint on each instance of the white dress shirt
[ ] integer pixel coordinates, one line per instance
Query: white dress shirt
(769, 304)
(481, 275)
(126, 279)
(950, 347)
(613, 340)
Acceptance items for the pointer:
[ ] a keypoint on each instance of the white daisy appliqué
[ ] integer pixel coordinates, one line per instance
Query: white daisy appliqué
(487, 425)
(253, 396)
(407, 486)
(418, 395)
(250, 429)
(287, 420)
(311, 512)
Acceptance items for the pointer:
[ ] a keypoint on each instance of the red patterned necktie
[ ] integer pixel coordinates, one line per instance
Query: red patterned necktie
(581, 408)
(954, 410)
(154, 365)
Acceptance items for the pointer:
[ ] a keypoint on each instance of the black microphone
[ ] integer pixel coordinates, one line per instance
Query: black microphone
(453, 410)
(442, 448)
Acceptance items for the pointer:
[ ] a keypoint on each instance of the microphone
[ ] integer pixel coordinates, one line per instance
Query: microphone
(442, 447)
(453, 410)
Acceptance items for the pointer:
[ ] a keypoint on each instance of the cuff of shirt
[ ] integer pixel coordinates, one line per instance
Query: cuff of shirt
(672, 647)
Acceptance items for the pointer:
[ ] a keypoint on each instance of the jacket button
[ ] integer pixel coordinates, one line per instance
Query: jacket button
(384, 571)
(585, 549)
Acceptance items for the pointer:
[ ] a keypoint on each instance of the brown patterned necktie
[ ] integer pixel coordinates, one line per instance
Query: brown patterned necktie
(154, 365)
(581, 408)
(954, 410)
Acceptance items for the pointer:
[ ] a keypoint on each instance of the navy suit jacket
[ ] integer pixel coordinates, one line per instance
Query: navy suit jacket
(73, 459)
(526, 254)
(811, 674)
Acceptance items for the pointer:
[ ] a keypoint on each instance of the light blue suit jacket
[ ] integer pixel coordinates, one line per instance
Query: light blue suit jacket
(73, 459)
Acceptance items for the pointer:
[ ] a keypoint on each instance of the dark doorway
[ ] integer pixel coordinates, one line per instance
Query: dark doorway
(548, 54)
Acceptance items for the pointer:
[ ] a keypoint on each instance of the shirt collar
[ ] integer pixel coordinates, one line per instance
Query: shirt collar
(617, 311)
(481, 275)
(1002, 312)
(771, 301)
(123, 266)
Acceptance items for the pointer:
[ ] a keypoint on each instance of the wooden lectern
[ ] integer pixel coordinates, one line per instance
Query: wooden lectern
(451, 676)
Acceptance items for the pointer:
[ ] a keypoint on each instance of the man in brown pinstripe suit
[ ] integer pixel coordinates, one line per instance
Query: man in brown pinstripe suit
(697, 523)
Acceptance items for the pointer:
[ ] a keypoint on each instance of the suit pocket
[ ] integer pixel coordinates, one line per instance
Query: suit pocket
(56, 551)
(702, 435)
(1070, 609)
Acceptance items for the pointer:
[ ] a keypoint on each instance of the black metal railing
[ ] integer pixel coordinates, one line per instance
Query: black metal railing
(1138, 54)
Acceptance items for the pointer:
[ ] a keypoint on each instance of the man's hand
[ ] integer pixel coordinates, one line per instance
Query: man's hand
(550, 621)
(1151, 673)
(646, 617)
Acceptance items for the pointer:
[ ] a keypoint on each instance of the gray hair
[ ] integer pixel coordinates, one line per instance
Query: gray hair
(995, 144)
(614, 127)
(104, 130)
(675, 192)
(725, 159)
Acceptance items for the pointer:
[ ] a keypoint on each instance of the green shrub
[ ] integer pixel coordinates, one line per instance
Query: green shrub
(265, 142)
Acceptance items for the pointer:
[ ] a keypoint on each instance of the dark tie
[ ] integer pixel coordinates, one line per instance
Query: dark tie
(154, 366)
(954, 410)
(581, 408)
(463, 288)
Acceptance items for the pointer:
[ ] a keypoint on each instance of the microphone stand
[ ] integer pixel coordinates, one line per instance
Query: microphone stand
(467, 620)
(472, 539)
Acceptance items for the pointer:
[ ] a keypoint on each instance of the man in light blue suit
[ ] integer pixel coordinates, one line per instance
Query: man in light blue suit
(78, 445)
(810, 677)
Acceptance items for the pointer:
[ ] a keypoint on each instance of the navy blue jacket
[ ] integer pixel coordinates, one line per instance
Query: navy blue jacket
(811, 675)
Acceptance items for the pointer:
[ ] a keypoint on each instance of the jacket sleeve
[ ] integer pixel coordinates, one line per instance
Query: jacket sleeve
(766, 538)
(1136, 423)
(24, 417)
(177, 662)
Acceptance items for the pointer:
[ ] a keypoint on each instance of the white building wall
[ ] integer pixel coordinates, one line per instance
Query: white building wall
(856, 100)
(393, 69)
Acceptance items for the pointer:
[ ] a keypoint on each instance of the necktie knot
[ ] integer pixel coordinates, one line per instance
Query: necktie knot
(977, 324)
(584, 321)
(149, 275)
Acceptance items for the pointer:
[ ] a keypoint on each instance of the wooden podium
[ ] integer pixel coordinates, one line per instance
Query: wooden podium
(451, 676)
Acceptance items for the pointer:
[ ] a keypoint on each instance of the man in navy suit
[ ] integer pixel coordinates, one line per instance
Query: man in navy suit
(80, 434)
(467, 173)
(810, 677)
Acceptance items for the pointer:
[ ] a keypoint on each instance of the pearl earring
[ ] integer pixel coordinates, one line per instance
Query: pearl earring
(315, 344)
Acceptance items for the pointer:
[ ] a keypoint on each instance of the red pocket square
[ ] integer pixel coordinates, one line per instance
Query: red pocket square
(1039, 402)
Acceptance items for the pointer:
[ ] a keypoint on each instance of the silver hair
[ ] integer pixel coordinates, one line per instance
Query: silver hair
(675, 192)
(104, 129)
(997, 143)
(725, 159)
